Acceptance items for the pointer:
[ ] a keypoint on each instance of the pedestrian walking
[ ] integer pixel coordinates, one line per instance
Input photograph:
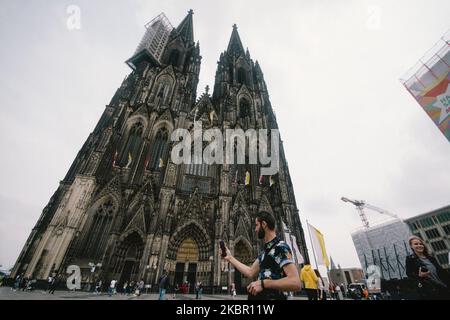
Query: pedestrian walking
(112, 287)
(163, 283)
(233, 290)
(197, 289)
(331, 290)
(366, 293)
(49, 282)
(125, 287)
(98, 287)
(53, 285)
(176, 288)
(130, 287)
(141, 286)
(200, 290)
(343, 289)
(338, 291)
(321, 294)
(310, 280)
(17, 282)
(24, 283)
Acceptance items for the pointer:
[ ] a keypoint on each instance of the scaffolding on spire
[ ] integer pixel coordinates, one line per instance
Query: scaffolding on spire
(153, 42)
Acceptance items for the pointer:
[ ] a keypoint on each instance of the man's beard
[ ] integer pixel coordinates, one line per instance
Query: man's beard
(261, 233)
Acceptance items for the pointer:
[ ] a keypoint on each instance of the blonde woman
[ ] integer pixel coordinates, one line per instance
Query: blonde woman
(430, 281)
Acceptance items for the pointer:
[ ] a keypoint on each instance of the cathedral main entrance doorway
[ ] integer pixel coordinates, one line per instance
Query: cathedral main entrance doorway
(179, 273)
(129, 253)
(127, 271)
(186, 265)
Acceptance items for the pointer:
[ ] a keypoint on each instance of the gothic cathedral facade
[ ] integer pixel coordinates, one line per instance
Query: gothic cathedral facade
(126, 208)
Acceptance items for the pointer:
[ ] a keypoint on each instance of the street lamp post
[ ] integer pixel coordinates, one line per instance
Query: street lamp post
(93, 269)
(147, 285)
(154, 274)
(211, 271)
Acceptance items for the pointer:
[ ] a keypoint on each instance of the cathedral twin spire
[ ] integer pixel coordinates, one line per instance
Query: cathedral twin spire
(235, 67)
(186, 28)
(235, 44)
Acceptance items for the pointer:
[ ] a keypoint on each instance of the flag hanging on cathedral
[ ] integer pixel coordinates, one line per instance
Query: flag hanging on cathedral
(247, 178)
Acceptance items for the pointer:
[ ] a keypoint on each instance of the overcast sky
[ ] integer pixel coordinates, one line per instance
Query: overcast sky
(332, 69)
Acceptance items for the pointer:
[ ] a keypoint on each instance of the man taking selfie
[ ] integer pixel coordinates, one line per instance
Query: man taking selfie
(274, 266)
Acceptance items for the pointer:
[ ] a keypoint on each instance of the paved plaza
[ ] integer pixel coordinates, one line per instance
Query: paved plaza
(6, 293)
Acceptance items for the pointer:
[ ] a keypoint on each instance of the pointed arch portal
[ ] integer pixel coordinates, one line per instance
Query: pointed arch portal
(187, 248)
(129, 254)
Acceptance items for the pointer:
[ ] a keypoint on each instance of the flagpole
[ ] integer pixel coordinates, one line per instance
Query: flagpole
(312, 245)
(291, 242)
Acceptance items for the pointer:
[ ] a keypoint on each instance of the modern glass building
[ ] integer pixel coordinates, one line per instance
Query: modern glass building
(434, 228)
(385, 246)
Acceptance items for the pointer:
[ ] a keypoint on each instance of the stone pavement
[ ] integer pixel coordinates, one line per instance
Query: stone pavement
(6, 293)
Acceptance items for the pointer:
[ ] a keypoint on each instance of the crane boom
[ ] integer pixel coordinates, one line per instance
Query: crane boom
(355, 202)
(361, 205)
(369, 206)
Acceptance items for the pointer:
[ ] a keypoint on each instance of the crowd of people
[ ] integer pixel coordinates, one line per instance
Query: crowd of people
(183, 288)
(426, 279)
(135, 288)
(23, 283)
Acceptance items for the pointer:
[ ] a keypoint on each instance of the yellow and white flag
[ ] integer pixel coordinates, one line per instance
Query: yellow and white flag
(161, 163)
(271, 181)
(247, 178)
(318, 243)
(291, 240)
(130, 160)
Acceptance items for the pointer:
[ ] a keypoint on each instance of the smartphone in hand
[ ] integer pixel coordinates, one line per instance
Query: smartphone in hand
(423, 269)
(222, 247)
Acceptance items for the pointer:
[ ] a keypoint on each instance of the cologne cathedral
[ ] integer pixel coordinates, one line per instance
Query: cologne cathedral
(125, 211)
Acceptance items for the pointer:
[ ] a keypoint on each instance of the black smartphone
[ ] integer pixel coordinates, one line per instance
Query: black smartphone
(222, 247)
(423, 269)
